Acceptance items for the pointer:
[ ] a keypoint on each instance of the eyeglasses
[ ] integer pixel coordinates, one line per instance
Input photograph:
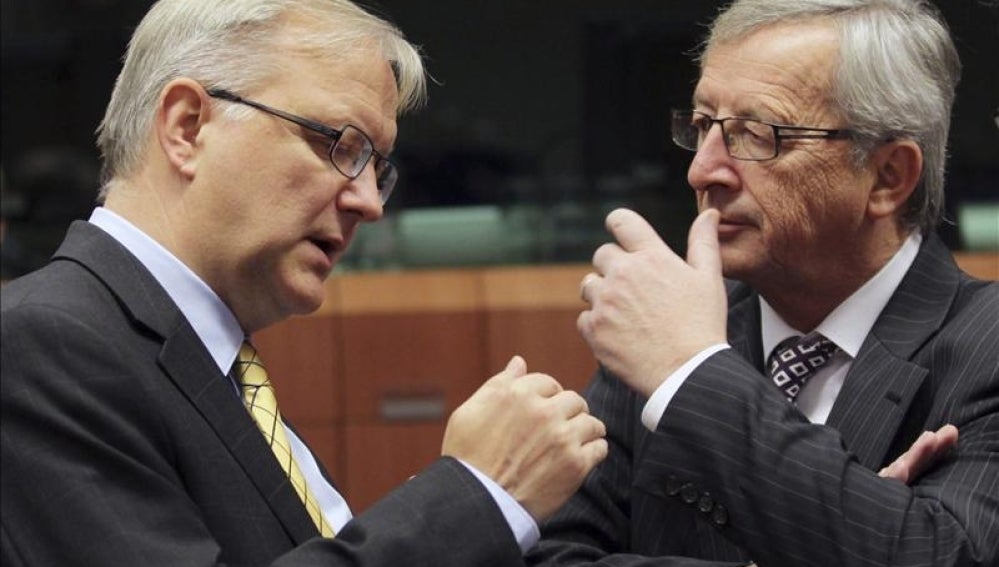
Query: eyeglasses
(745, 138)
(350, 149)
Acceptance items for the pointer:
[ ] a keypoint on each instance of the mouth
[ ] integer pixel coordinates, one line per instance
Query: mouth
(734, 221)
(325, 245)
(730, 225)
(330, 246)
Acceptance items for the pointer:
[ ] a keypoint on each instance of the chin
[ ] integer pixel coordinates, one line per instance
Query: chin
(311, 303)
(738, 265)
(305, 295)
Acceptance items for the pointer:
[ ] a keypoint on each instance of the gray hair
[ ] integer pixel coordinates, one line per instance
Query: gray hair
(229, 44)
(896, 77)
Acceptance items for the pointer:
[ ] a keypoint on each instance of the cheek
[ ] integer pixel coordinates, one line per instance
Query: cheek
(811, 199)
(297, 195)
(785, 207)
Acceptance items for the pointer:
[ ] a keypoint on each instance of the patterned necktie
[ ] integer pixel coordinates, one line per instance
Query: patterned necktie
(794, 361)
(258, 395)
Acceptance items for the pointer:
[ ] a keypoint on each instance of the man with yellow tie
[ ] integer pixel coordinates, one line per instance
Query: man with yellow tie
(244, 142)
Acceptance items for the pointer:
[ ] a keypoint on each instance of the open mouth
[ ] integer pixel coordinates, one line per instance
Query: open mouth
(327, 246)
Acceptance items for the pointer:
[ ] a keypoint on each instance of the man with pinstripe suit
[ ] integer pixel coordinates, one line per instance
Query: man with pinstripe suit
(820, 132)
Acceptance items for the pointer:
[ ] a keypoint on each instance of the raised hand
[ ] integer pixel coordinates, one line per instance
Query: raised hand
(651, 311)
(533, 438)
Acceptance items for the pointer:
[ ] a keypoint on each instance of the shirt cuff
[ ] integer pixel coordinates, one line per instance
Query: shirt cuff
(654, 409)
(525, 529)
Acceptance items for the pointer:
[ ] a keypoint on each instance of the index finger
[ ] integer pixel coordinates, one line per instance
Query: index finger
(540, 384)
(631, 230)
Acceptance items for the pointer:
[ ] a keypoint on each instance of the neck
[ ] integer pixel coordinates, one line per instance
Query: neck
(805, 310)
(805, 298)
(153, 207)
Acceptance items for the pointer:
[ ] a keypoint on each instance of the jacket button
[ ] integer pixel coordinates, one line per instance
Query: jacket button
(705, 503)
(688, 493)
(719, 515)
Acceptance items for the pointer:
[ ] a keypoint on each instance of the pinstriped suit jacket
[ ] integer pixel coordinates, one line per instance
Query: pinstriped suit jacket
(734, 472)
(123, 444)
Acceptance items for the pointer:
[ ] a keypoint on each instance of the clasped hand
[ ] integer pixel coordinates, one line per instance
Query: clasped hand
(649, 310)
(535, 439)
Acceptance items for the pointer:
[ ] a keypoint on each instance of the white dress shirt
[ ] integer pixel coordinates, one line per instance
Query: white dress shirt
(219, 331)
(847, 326)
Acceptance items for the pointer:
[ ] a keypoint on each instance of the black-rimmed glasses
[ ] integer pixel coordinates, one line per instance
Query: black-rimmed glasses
(350, 148)
(745, 138)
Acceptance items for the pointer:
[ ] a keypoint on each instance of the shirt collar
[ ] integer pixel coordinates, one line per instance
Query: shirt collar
(850, 323)
(211, 319)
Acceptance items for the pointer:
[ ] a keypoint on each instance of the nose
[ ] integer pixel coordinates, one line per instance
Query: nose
(361, 195)
(712, 166)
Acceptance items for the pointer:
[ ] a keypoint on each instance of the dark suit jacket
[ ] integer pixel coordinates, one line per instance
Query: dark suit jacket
(123, 444)
(734, 472)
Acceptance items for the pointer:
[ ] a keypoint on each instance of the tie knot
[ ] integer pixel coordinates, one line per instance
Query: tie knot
(249, 371)
(795, 359)
(811, 344)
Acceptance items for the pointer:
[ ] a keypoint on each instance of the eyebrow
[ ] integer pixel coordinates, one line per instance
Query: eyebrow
(358, 124)
(750, 114)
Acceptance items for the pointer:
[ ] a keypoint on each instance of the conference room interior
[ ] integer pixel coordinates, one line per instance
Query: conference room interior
(548, 116)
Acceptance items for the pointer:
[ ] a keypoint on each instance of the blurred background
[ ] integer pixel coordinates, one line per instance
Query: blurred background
(544, 115)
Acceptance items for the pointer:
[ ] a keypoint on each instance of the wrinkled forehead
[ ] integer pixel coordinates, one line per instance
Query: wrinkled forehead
(813, 42)
(787, 64)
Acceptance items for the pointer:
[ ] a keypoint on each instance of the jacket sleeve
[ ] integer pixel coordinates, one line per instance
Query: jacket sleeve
(92, 475)
(796, 495)
(441, 517)
(596, 526)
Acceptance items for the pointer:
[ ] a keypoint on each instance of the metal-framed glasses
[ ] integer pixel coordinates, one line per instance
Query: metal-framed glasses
(745, 138)
(350, 148)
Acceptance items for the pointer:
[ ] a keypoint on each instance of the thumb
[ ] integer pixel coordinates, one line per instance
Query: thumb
(702, 243)
(631, 230)
(517, 367)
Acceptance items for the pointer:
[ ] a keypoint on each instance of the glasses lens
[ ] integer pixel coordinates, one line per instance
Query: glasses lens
(686, 134)
(351, 152)
(749, 139)
(387, 175)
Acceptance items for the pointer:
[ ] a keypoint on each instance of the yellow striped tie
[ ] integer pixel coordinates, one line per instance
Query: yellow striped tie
(258, 395)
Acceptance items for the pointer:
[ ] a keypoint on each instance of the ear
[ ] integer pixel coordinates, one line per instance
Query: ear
(184, 108)
(898, 165)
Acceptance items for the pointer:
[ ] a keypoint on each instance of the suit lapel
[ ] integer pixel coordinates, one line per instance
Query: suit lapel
(216, 400)
(883, 380)
(187, 363)
(744, 323)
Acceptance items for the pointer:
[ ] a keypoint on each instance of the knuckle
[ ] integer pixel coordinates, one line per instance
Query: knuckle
(537, 411)
(568, 397)
(550, 382)
(584, 324)
(598, 428)
(600, 450)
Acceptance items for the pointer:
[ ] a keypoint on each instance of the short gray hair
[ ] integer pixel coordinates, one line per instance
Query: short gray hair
(228, 44)
(896, 78)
